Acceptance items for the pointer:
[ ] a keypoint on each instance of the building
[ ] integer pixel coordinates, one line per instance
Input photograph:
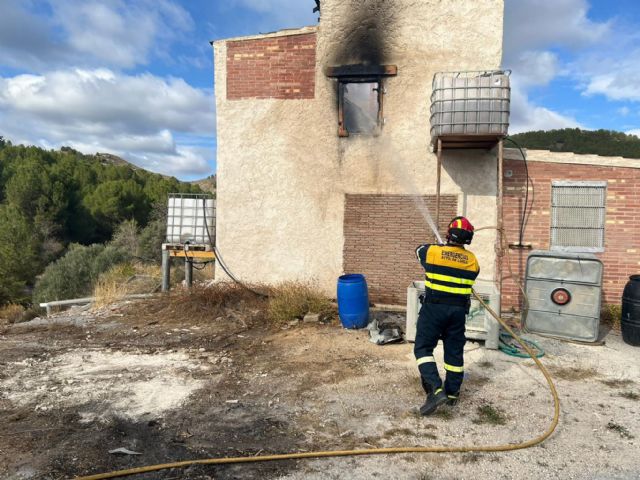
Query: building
(295, 199)
(581, 203)
(299, 199)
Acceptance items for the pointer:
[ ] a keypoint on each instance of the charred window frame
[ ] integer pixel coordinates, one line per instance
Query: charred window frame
(357, 86)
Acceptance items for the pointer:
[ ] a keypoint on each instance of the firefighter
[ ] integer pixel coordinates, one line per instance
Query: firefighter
(450, 273)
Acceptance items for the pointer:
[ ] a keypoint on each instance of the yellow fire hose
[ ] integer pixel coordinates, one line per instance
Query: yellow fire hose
(369, 451)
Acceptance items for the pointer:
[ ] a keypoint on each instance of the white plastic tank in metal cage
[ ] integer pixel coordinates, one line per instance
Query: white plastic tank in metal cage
(470, 104)
(191, 218)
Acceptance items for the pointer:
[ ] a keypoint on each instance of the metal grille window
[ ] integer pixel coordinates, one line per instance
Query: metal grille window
(578, 216)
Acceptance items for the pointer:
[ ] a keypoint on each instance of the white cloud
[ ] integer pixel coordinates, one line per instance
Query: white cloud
(533, 31)
(113, 33)
(624, 111)
(613, 74)
(635, 132)
(534, 68)
(101, 110)
(526, 116)
(538, 24)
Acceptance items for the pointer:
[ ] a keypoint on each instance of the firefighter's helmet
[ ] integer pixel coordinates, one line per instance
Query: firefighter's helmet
(460, 231)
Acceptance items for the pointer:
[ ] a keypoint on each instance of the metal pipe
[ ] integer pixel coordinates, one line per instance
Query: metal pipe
(166, 270)
(188, 272)
(499, 250)
(439, 172)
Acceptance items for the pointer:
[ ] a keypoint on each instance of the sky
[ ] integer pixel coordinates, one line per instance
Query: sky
(135, 77)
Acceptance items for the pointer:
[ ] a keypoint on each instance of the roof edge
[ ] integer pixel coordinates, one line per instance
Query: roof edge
(287, 32)
(570, 157)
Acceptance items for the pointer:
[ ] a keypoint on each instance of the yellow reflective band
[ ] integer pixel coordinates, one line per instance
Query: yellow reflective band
(442, 288)
(437, 391)
(447, 278)
(422, 360)
(451, 368)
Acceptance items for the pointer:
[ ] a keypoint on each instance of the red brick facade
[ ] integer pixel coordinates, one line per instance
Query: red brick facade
(273, 67)
(621, 256)
(381, 234)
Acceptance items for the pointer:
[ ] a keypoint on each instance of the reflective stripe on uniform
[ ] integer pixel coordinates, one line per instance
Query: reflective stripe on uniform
(449, 278)
(451, 368)
(442, 288)
(422, 360)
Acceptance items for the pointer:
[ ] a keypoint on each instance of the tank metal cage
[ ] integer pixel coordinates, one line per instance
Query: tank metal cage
(470, 109)
(191, 219)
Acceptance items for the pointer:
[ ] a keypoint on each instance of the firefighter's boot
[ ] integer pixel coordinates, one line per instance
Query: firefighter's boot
(433, 402)
(426, 386)
(453, 399)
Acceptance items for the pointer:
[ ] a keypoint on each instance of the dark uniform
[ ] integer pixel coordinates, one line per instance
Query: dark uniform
(450, 273)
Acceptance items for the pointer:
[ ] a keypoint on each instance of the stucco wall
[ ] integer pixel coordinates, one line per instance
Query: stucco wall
(283, 172)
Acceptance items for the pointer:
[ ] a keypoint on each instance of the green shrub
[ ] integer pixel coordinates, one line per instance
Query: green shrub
(290, 300)
(611, 315)
(75, 274)
(150, 240)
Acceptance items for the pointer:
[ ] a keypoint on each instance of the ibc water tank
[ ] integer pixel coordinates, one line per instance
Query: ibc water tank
(470, 104)
(564, 292)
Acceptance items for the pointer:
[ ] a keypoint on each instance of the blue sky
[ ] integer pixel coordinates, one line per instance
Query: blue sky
(135, 77)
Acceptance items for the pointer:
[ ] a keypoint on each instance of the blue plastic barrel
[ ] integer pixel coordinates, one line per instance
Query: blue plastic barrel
(353, 301)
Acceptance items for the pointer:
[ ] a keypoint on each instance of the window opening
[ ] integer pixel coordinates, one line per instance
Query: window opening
(360, 97)
(361, 107)
(578, 213)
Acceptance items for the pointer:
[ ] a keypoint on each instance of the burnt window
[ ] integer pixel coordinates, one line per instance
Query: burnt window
(360, 97)
(361, 102)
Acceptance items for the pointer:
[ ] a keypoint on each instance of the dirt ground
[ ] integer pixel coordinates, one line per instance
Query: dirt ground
(172, 382)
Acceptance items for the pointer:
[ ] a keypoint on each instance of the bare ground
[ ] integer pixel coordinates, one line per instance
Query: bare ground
(173, 381)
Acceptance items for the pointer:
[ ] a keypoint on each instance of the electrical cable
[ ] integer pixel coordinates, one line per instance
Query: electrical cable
(526, 211)
(372, 451)
(219, 258)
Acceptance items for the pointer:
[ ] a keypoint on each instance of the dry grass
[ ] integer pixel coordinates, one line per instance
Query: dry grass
(218, 299)
(617, 383)
(125, 279)
(488, 414)
(621, 429)
(630, 395)
(291, 300)
(11, 313)
(610, 316)
(573, 373)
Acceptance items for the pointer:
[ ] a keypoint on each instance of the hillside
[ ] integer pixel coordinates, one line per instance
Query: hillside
(207, 184)
(50, 200)
(598, 142)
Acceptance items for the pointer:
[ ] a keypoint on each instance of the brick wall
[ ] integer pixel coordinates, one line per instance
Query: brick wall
(621, 257)
(381, 235)
(274, 67)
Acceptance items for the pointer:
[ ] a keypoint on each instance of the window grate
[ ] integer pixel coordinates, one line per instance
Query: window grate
(578, 215)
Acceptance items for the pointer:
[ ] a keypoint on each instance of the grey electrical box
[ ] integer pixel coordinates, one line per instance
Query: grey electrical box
(564, 292)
